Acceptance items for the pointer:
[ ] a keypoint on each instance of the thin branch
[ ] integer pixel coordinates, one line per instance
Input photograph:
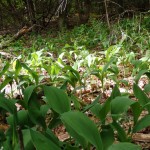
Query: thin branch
(107, 16)
(20, 137)
(61, 7)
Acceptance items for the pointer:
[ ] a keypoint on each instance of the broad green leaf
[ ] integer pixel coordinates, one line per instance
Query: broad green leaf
(7, 145)
(67, 79)
(136, 110)
(17, 67)
(41, 142)
(74, 72)
(44, 109)
(8, 104)
(146, 105)
(121, 132)
(124, 146)
(142, 123)
(57, 99)
(115, 92)
(64, 85)
(120, 104)
(79, 123)
(76, 102)
(147, 88)
(112, 50)
(101, 111)
(28, 145)
(34, 74)
(114, 69)
(28, 92)
(23, 119)
(51, 136)
(35, 112)
(79, 138)
(104, 110)
(96, 109)
(108, 64)
(27, 140)
(141, 96)
(107, 135)
(91, 105)
(37, 117)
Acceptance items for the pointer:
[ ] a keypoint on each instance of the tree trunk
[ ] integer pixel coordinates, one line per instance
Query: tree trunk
(31, 11)
(62, 20)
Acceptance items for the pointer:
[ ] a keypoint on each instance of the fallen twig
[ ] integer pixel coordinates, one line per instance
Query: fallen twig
(20, 33)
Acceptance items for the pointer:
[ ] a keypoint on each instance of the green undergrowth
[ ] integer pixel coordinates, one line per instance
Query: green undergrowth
(48, 70)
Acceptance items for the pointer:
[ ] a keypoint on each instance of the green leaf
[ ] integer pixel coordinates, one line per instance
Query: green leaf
(36, 117)
(96, 109)
(104, 110)
(111, 51)
(141, 96)
(55, 120)
(121, 132)
(51, 136)
(41, 142)
(17, 67)
(27, 140)
(5, 68)
(74, 72)
(120, 104)
(114, 69)
(44, 109)
(35, 113)
(138, 76)
(107, 135)
(83, 126)
(147, 88)
(136, 110)
(23, 119)
(91, 105)
(79, 138)
(34, 74)
(124, 146)
(7, 145)
(5, 82)
(8, 104)
(142, 123)
(108, 64)
(115, 92)
(28, 145)
(28, 92)
(148, 74)
(76, 102)
(57, 99)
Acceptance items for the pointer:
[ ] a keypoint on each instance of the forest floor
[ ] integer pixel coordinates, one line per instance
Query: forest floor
(87, 49)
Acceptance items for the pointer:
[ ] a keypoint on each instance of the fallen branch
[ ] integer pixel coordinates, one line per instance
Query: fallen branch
(7, 55)
(20, 33)
(140, 137)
